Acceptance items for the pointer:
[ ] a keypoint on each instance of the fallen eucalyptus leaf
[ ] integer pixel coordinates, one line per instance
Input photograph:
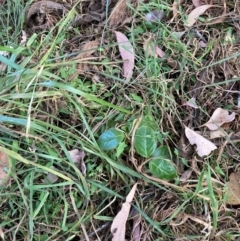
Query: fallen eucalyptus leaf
(204, 146)
(118, 227)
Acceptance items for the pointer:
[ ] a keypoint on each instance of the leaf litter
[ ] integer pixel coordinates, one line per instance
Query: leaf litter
(204, 146)
(118, 227)
(233, 189)
(119, 14)
(127, 53)
(218, 118)
(195, 14)
(77, 158)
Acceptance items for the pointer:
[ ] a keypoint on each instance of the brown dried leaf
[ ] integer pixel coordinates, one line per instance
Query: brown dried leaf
(233, 189)
(192, 17)
(118, 14)
(87, 50)
(127, 54)
(218, 118)
(118, 227)
(204, 146)
(136, 234)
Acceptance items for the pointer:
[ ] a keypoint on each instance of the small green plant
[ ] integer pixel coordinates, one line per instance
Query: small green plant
(145, 144)
(161, 165)
(110, 139)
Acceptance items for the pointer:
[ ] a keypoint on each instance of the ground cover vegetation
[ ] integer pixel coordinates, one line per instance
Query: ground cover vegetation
(119, 120)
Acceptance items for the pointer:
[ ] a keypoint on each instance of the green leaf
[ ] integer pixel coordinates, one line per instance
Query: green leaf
(162, 152)
(110, 139)
(149, 123)
(161, 167)
(145, 141)
(120, 148)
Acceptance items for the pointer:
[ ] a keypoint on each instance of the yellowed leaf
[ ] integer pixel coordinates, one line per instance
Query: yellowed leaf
(118, 227)
(218, 118)
(193, 16)
(233, 189)
(204, 146)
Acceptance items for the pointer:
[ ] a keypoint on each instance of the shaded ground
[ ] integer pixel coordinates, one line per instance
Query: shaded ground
(56, 96)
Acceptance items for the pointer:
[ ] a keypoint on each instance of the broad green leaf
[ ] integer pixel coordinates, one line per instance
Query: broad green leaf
(110, 139)
(149, 123)
(162, 152)
(145, 141)
(161, 167)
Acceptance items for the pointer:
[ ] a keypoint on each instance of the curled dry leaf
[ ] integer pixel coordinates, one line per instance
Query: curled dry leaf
(78, 158)
(119, 14)
(118, 227)
(127, 54)
(204, 146)
(76, 155)
(193, 16)
(218, 118)
(233, 189)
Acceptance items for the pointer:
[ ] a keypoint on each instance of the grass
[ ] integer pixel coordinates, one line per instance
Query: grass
(49, 106)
